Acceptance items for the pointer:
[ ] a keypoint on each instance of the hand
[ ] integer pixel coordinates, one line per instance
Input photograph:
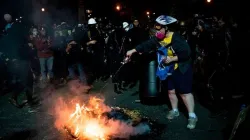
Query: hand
(167, 60)
(194, 33)
(130, 53)
(30, 45)
(92, 42)
(72, 42)
(68, 48)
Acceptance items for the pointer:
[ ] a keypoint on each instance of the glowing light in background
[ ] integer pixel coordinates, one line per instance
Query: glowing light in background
(89, 11)
(43, 9)
(118, 7)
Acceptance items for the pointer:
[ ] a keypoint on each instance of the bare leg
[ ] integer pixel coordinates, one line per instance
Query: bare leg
(188, 100)
(174, 104)
(173, 99)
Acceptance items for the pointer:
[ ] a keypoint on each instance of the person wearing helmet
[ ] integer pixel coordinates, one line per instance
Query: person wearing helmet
(178, 54)
(8, 19)
(92, 21)
(125, 26)
(95, 48)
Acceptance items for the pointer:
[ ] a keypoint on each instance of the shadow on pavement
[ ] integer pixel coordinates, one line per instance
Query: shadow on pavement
(21, 135)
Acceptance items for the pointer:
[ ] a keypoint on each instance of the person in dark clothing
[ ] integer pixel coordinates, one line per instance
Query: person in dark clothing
(121, 78)
(114, 58)
(179, 55)
(205, 53)
(16, 48)
(34, 61)
(136, 35)
(73, 51)
(21, 80)
(95, 47)
(4, 88)
(60, 66)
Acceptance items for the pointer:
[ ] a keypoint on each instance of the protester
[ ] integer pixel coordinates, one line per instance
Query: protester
(179, 54)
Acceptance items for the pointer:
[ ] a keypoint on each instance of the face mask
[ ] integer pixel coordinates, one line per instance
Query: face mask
(160, 35)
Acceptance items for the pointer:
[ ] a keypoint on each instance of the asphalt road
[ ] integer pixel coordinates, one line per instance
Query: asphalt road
(18, 124)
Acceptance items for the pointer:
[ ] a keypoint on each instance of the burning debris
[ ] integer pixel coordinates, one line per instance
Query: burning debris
(96, 121)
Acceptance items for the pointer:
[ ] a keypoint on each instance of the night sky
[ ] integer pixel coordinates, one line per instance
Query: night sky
(60, 8)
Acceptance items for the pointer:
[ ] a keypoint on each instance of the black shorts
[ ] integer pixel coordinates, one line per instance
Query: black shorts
(182, 83)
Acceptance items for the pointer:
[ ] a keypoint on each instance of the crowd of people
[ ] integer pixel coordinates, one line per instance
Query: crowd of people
(198, 49)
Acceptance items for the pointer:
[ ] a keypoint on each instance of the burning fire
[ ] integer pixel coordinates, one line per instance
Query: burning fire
(88, 122)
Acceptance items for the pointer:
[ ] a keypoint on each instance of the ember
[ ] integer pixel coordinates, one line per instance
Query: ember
(96, 121)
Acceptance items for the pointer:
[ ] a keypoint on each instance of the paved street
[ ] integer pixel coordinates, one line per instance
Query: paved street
(18, 124)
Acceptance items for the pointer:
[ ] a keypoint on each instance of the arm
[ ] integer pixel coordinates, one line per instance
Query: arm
(88, 43)
(147, 46)
(68, 48)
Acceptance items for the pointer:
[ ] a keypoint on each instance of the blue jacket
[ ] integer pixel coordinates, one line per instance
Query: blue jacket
(163, 69)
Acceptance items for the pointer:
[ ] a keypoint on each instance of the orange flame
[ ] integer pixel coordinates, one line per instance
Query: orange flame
(87, 122)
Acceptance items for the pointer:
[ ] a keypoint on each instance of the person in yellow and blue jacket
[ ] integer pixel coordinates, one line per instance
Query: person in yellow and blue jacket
(177, 54)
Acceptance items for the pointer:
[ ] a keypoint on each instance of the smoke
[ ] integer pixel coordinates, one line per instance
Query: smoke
(120, 129)
(76, 88)
(107, 127)
(54, 12)
(89, 117)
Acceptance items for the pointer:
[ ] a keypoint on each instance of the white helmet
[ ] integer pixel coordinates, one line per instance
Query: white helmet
(165, 20)
(7, 17)
(91, 21)
(124, 25)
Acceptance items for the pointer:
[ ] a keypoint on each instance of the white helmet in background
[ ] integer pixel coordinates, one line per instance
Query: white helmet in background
(7, 17)
(91, 21)
(124, 25)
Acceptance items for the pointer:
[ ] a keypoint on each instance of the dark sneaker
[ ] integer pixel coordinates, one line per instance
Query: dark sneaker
(14, 102)
(32, 109)
(71, 78)
(24, 103)
(138, 101)
(63, 81)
